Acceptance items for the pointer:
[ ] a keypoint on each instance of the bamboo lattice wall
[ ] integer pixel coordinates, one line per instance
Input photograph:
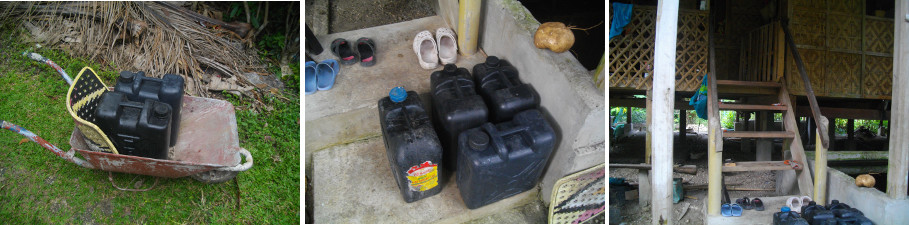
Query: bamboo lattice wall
(847, 53)
(758, 54)
(630, 52)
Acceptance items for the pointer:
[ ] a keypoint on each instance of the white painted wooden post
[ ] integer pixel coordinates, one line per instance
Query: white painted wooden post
(899, 118)
(663, 110)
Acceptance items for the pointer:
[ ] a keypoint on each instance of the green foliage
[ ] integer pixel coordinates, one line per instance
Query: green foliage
(39, 187)
(270, 46)
(727, 119)
(292, 82)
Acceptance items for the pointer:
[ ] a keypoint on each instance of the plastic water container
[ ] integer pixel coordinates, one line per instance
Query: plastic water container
(787, 217)
(817, 214)
(456, 107)
(411, 145)
(136, 128)
(498, 161)
(168, 89)
(502, 89)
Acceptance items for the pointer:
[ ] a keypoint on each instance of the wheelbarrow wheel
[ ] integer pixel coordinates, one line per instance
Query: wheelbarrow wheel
(215, 176)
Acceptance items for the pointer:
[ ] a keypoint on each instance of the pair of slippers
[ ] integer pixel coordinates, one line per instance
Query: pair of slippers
(321, 76)
(748, 204)
(732, 209)
(430, 51)
(795, 203)
(728, 208)
(365, 51)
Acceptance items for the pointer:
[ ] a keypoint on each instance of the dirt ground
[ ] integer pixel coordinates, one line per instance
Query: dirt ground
(358, 14)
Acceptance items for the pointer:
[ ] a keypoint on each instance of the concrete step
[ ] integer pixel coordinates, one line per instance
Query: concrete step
(353, 184)
(348, 111)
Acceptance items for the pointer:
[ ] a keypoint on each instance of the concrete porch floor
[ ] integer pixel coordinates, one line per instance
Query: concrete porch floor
(345, 152)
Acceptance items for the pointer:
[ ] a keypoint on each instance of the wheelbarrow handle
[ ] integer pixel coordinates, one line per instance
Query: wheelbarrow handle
(68, 156)
(243, 166)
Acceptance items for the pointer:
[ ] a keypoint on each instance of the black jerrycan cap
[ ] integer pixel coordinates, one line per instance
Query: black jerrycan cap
(477, 140)
(160, 111)
(126, 77)
(450, 68)
(492, 61)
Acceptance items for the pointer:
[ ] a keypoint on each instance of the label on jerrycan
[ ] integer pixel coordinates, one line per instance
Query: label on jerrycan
(423, 177)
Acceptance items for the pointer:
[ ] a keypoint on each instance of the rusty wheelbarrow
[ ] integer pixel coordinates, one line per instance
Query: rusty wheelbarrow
(208, 149)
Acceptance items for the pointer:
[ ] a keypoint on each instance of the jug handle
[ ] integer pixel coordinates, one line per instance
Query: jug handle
(497, 141)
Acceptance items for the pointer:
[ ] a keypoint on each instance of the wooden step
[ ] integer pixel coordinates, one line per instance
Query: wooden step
(758, 134)
(753, 107)
(747, 83)
(757, 166)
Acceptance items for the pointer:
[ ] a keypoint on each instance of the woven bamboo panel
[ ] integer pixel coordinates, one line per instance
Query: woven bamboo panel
(844, 74)
(630, 52)
(810, 4)
(844, 32)
(877, 79)
(814, 66)
(851, 7)
(808, 27)
(691, 51)
(878, 35)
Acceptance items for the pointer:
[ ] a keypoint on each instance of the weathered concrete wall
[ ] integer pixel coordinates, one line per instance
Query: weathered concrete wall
(876, 205)
(568, 93)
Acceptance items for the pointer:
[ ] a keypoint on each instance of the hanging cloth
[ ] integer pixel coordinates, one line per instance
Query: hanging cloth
(621, 15)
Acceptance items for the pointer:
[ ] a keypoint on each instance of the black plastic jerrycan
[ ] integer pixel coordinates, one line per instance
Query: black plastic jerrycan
(168, 89)
(498, 161)
(411, 145)
(502, 89)
(456, 107)
(787, 217)
(817, 214)
(136, 128)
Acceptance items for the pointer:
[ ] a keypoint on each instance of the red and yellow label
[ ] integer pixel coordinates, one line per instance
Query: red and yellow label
(423, 177)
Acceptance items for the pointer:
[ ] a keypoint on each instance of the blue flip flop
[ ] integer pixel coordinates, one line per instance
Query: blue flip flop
(726, 210)
(310, 79)
(326, 72)
(736, 209)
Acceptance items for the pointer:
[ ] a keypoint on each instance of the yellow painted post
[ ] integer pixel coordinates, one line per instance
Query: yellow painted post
(820, 168)
(468, 26)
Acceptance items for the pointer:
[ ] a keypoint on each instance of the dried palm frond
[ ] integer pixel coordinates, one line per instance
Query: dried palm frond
(155, 37)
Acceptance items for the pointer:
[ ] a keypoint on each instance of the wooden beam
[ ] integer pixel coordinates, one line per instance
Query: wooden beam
(747, 83)
(759, 134)
(820, 170)
(642, 103)
(897, 181)
(664, 60)
(752, 107)
(715, 136)
(830, 112)
(757, 166)
(806, 187)
(852, 155)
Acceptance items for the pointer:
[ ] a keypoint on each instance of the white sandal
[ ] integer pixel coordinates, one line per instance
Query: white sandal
(448, 45)
(426, 49)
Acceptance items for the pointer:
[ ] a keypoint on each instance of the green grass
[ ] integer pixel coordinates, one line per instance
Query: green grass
(37, 187)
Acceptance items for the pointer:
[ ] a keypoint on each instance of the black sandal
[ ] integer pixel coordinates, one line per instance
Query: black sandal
(341, 49)
(744, 202)
(758, 204)
(367, 50)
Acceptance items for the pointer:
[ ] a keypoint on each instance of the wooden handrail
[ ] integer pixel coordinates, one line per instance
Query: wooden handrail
(812, 101)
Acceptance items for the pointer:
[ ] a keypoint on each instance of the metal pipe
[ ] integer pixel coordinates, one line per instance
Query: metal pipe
(468, 26)
(68, 156)
(39, 58)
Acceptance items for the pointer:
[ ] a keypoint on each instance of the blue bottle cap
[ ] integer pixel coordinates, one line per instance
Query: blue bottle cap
(785, 209)
(397, 94)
